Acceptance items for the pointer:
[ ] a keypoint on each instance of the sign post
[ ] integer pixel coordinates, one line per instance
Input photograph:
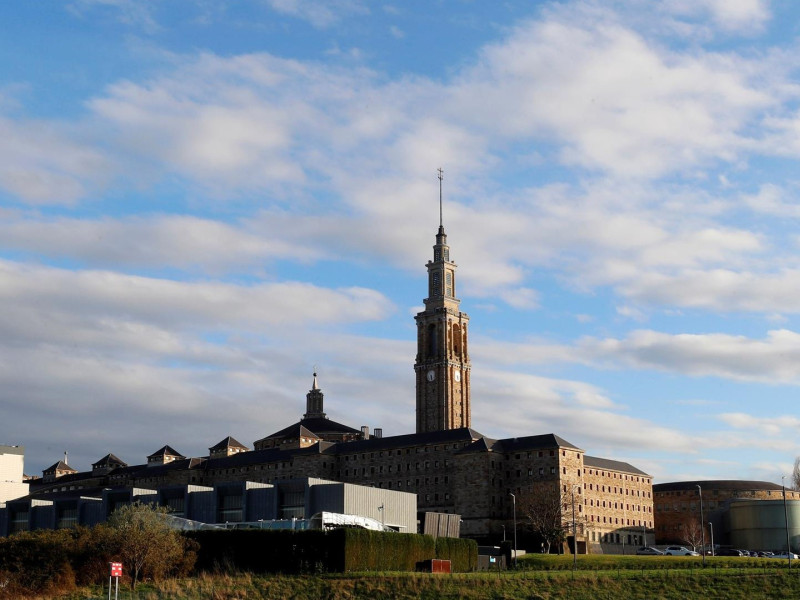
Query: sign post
(116, 573)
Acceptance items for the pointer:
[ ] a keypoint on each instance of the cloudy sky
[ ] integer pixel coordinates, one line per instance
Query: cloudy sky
(201, 202)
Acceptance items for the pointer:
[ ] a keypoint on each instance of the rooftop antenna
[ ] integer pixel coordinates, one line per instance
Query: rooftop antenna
(440, 176)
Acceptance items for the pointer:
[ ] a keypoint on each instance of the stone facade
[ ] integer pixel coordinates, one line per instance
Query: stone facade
(677, 506)
(442, 366)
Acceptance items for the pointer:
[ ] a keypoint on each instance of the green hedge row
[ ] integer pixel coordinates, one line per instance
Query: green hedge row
(339, 550)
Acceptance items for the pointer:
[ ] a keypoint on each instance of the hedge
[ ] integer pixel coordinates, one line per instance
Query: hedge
(339, 550)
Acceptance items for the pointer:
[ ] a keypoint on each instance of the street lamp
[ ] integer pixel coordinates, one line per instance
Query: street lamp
(380, 509)
(574, 532)
(711, 528)
(786, 521)
(702, 525)
(514, 502)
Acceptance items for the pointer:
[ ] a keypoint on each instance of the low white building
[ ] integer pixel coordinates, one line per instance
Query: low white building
(12, 486)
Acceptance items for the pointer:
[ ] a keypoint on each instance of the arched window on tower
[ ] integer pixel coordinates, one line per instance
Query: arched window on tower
(456, 338)
(433, 347)
(449, 284)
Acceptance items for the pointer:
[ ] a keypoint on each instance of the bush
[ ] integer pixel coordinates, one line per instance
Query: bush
(54, 561)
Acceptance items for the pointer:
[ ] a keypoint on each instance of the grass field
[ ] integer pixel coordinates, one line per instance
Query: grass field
(545, 578)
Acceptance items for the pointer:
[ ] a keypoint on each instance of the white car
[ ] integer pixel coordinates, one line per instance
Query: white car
(785, 555)
(680, 551)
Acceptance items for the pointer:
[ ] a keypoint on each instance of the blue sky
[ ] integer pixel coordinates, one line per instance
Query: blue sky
(202, 201)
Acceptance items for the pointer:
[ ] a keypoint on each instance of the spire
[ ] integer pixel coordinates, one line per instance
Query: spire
(441, 177)
(314, 400)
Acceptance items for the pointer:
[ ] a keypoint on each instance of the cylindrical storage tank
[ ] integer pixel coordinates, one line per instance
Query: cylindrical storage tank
(761, 525)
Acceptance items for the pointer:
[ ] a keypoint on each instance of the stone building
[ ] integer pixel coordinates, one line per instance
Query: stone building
(451, 467)
(677, 507)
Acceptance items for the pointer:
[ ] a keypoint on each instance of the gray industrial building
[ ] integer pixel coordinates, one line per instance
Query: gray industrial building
(764, 524)
(227, 504)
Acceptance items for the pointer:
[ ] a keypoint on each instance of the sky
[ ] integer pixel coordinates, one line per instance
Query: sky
(202, 202)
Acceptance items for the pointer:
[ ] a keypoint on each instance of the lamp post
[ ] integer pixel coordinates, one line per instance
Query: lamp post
(514, 502)
(711, 528)
(574, 533)
(786, 520)
(380, 509)
(702, 525)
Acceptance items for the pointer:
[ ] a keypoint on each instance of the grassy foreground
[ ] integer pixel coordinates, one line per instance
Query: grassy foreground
(666, 585)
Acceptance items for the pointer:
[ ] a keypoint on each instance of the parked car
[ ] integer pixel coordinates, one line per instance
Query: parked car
(731, 552)
(680, 551)
(785, 555)
(766, 554)
(648, 551)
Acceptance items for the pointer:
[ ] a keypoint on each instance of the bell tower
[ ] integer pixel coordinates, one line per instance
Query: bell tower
(442, 366)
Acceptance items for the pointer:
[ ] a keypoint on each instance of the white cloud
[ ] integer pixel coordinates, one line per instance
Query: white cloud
(159, 241)
(768, 426)
(740, 16)
(513, 404)
(41, 165)
(210, 305)
(775, 359)
(128, 12)
(319, 14)
(772, 199)
(615, 102)
(719, 289)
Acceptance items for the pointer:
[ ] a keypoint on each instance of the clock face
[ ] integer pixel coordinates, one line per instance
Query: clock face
(457, 376)
(431, 375)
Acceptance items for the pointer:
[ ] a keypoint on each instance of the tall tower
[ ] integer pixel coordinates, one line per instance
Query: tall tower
(314, 400)
(442, 366)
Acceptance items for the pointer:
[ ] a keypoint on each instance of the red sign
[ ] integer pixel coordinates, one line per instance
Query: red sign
(116, 569)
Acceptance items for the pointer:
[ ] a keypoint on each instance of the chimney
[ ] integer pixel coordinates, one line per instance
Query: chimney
(66, 462)
(378, 432)
(365, 432)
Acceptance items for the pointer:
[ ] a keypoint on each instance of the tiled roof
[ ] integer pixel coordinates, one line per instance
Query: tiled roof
(166, 451)
(60, 466)
(531, 442)
(109, 460)
(612, 465)
(463, 434)
(228, 442)
(482, 444)
(316, 426)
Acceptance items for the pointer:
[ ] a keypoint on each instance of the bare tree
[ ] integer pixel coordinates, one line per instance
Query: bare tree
(692, 532)
(543, 509)
(796, 474)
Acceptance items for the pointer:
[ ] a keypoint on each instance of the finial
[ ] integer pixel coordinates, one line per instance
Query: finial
(441, 176)
(314, 385)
